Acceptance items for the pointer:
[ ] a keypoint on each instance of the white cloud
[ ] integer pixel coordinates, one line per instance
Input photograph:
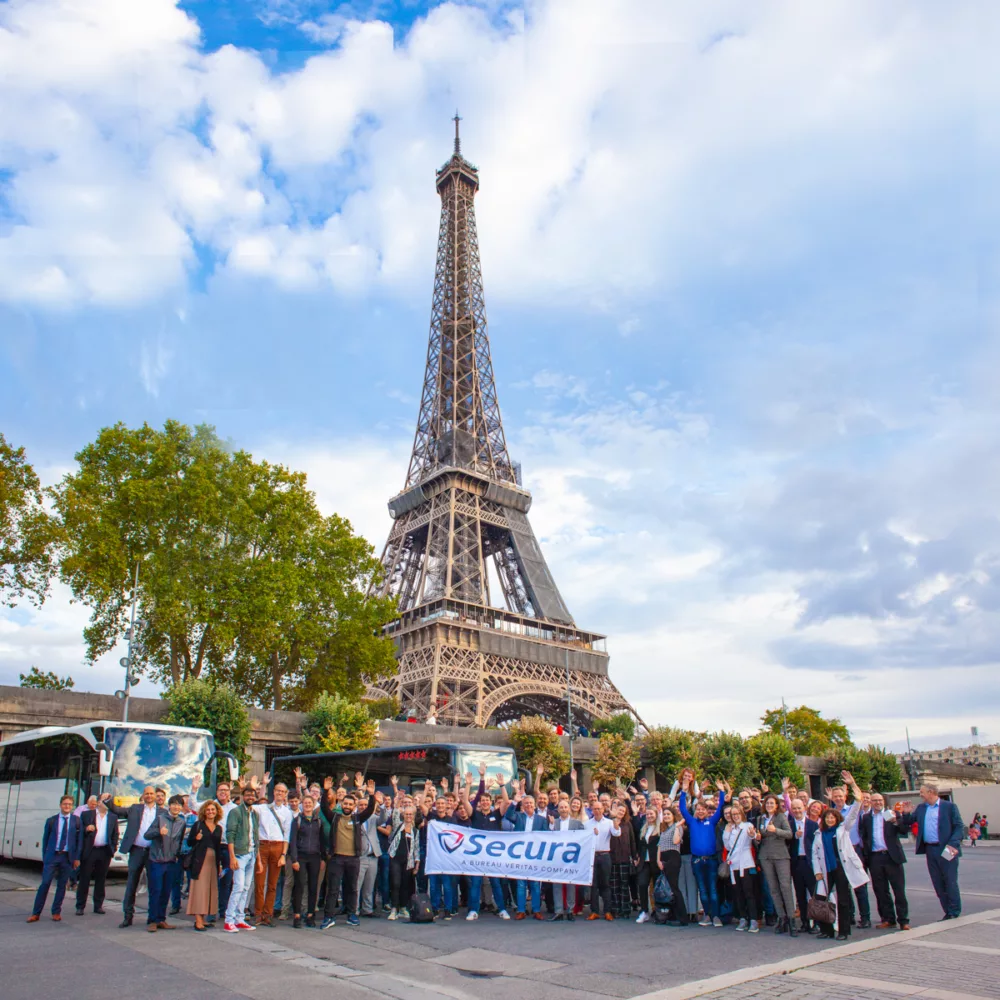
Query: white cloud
(620, 145)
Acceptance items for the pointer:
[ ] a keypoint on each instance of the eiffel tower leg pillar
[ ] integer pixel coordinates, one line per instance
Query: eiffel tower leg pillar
(480, 721)
(435, 677)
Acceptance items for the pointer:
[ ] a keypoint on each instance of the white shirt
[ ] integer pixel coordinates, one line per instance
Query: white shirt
(799, 824)
(604, 830)
(226, 810)
(271, 826)
(101, 834)
(563, 824)
(878, 832)
(148, 815)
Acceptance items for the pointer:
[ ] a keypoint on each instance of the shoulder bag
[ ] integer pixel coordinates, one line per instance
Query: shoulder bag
(724, 869)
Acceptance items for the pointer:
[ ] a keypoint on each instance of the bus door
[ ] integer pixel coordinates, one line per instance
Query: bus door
(74, 779)
(8, 798)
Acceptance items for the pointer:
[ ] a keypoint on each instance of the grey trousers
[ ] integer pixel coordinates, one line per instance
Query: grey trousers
(286, 878)
(778, 872)
(557, 897)
(688, 884)
(366, 883)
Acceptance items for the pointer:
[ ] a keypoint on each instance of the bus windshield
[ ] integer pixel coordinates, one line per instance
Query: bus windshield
(161, 758)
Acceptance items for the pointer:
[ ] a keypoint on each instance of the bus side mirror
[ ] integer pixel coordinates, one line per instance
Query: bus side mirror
(234, 764)
(105, 758)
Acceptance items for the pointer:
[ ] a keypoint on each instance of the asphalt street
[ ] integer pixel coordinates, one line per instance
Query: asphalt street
(90, 957)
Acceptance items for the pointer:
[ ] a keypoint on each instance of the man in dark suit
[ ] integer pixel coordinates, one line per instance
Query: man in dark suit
(60, 856)
(100, 841)
(800, 851)
(139, 818)
(939, 837)
(884, 858)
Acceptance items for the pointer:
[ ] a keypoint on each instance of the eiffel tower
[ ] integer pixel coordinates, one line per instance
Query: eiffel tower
(462, 509)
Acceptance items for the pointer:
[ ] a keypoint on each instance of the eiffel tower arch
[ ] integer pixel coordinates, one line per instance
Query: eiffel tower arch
(462, 513)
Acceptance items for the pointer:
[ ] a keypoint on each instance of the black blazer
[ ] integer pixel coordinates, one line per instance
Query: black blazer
(133, 820)
(812, 828)
(89, 818)
(209, 839)
(890, 833)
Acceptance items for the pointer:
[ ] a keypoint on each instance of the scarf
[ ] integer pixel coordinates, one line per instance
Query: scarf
(412, 854)
(830, 849)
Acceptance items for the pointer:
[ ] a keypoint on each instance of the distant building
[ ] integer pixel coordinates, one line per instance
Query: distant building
(976, 756)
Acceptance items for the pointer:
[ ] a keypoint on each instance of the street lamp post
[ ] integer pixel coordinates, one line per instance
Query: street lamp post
(134, 649)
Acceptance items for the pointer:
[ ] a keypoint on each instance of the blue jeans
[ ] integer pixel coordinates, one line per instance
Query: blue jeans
(442, 892)
(58, 868)
(225, 882)
(161, 876)
(476, 892)
(706, 872)
(242, 883)
(175, 889)
(523, 887)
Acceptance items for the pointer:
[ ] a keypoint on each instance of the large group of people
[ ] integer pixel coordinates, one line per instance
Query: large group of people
(698, 854)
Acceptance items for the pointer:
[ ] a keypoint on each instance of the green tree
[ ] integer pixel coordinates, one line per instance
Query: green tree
(217, 707)
(849, 758)
(335, 724)
(621, 723)
(535, 742)
(670, 750)
(809, 732)
(772, 758)
(28, 534)
(726, 755)
(48, 681)
(240, 574)
(617, 759)
(886, 774)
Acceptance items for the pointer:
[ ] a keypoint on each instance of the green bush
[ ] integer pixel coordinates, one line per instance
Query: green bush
(771, 758)
(205, 704)
(337, 724)
(727, 756)
(886, 774)
(535, 742)
(382, 708)
(849, 758)
(623, 724)
(670, 750)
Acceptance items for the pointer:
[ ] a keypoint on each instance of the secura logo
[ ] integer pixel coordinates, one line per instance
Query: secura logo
(451, 840)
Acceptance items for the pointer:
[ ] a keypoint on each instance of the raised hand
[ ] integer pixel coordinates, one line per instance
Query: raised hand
(482, 770)
(444, 784)
(344, 778)
(371, 786)
(595, 785)
(394, 781)
(468, 777)
(195, 783)
(379, 798)
(643, 783)
(254, 782)
(848, 777)
(720, 784)
(267, 778)
(359, 779)
(106, 797)
(327, 783)
(764, 788)
(785, 784)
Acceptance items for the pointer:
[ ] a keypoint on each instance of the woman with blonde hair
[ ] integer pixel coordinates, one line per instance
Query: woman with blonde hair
(738, 838)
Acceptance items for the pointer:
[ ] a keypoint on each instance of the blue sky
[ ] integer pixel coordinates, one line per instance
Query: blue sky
(740, 271)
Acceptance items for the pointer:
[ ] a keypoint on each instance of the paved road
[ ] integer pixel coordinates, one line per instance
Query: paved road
(491, 960)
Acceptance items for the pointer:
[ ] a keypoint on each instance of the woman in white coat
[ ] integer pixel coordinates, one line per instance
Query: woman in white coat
(836, 865)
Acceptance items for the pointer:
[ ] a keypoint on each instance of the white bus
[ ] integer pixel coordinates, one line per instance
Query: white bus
(41, 765)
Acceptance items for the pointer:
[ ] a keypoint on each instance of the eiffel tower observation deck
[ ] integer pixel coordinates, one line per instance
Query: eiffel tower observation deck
(463, 512)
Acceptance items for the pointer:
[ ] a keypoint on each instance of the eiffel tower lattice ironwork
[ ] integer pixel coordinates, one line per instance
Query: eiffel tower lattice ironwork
(462, 508)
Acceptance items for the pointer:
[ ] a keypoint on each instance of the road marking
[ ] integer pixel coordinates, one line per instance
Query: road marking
(954, 947)
(705, 986)
(984, 895)
(900, 989)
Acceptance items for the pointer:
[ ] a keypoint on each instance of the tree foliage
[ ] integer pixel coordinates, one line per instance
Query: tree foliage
(217, 707)
(48, 681)
(849, 758)
(810, 734)
(886, 774)
(621, 723)
(28, 534)
(670, 750)
(241, 577)
(335, 724)
(617, 759)
(772, 758)
(727, 756)
(535, 742)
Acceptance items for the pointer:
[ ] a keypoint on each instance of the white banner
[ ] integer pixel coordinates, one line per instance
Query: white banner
(541, 855)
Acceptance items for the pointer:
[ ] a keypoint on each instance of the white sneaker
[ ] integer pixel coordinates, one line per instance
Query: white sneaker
(471, 915)
(705, 922)
(404, 914)
(754, 927)
(742, 925)
(394, 914)
(642, 918)
(503, 915)
(716, 922)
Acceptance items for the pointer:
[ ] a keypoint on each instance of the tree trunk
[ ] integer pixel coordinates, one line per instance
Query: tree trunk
(201, 651)
(276, 679)
(175, 666)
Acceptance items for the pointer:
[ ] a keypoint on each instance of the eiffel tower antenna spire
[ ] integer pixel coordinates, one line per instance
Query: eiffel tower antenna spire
(460, 527)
